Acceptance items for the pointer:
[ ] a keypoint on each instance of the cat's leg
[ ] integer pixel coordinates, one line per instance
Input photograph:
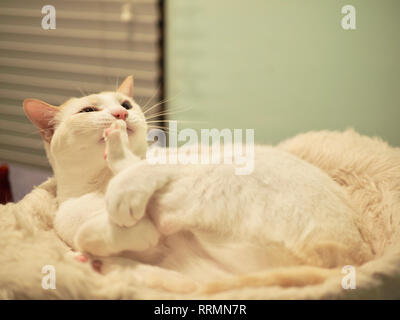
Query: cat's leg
(73, 213)
(128, 193)
(130, 190)
(286, 277)
(117, 152)
(100, 237)
(150, 276)
(83, 223)
(164, 279)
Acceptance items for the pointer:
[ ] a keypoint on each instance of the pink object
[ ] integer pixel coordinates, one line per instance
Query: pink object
(120, 114)
(81, 258)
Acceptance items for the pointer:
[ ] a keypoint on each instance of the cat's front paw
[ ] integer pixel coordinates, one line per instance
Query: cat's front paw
(117, 152)
(125, 204)
(126, 208)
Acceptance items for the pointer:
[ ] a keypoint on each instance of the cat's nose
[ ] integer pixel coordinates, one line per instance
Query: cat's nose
(120, 114)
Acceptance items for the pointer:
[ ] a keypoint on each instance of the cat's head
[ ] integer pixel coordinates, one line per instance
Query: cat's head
(73, 132)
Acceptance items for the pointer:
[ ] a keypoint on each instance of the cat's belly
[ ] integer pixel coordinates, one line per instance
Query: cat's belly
(285, 200)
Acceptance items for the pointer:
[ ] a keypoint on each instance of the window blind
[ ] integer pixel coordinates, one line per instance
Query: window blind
(92, 48)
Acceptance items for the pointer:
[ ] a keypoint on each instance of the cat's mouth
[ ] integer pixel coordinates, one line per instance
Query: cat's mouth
(129, 131)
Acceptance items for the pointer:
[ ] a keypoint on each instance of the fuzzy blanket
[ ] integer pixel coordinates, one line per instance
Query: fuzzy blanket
(366, 167)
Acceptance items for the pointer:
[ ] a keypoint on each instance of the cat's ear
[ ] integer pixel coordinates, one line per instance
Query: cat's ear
(127, 87)
(42, 116)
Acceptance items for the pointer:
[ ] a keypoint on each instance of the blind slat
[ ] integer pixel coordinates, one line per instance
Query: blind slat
(91, 48)
(17, 126)
(11, 110)
(76, 68)
(21, 95)
(24, 157)
(25, 142)
(81, 34)
(73, 15)
(87, 52)
(62, 84)
(58, 99)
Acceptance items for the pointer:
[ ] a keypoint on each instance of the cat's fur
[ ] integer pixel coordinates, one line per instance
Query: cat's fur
(193, 227)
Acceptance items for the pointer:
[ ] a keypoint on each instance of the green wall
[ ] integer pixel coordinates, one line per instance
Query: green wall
(284, 67)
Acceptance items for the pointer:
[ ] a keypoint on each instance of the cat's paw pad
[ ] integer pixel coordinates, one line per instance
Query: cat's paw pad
(81, 257)
(115, 130)
(96, 264)
(76, 255)
(125, 208)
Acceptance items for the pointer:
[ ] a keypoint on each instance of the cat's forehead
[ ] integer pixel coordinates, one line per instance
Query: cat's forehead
(103, 98)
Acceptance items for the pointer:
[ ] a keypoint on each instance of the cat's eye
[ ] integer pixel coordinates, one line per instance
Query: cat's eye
(126, 104)
(89, 109)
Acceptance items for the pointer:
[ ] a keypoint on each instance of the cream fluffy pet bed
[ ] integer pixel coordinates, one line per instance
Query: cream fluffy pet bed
(367, 168)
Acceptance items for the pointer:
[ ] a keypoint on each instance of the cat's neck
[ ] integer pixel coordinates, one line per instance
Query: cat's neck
(78, 182)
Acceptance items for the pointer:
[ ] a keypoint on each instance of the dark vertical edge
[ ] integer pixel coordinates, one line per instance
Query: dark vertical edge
(162, 61)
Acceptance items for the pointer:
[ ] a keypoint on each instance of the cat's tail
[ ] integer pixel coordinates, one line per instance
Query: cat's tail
(296, 276)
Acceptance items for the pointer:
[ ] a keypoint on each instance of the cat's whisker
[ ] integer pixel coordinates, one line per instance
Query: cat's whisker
(82, 91)
(158, 126)
(180, 121)
(146, 111)
(33, 133)
(116, 83)
(153, 106)
(166, 129)
(166, 113)
(163, 127)
(152, 97)
(174, 109)
(161, 102)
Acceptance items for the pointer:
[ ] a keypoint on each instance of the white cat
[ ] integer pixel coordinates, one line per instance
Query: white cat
(192, 227)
